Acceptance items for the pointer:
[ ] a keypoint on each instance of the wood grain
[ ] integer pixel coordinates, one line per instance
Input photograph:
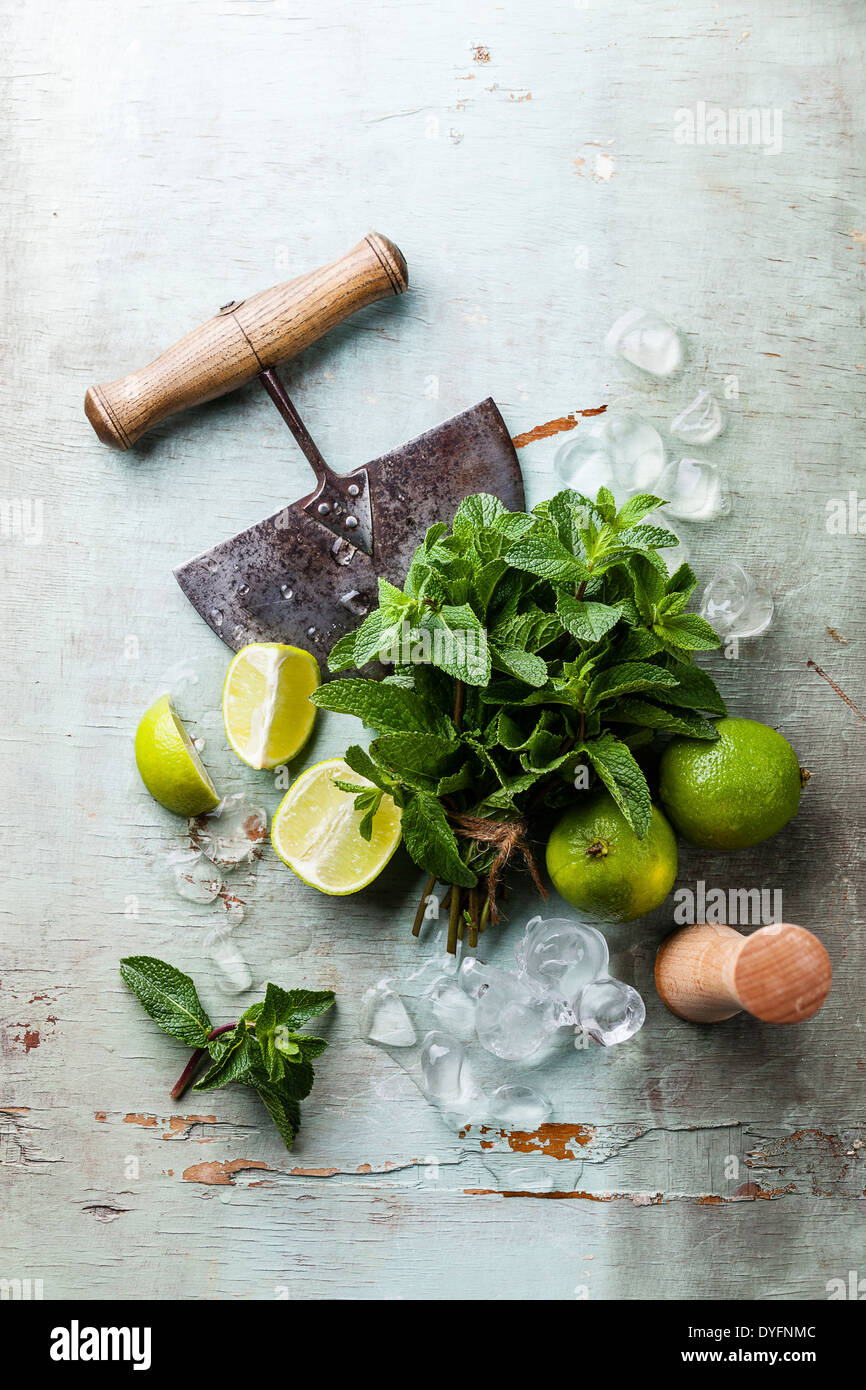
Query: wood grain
(244, 338)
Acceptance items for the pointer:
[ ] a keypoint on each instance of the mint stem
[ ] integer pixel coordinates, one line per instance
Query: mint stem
(192, 1066)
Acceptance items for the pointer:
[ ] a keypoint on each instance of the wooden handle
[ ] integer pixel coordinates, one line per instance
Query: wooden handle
(708, 972)
(243, 338)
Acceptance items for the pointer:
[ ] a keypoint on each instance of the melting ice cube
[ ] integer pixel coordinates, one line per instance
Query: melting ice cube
(445, 1072)
(512, 1019)
(701, 421)
(235, 974)
(195, 877)
(519, 1107)
(734, 604)
(647, 341)
(453, 1008)
(693, 489)
(617, 450)
(610, 1011)
(383, 1017)
(561, 956)
(231, 832)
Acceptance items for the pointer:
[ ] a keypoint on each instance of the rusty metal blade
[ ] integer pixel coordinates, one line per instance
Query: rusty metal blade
(290, 579)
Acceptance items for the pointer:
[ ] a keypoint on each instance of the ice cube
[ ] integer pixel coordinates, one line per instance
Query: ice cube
(583, 463)
(234, 907)
(647, 341)
(701, 422)
(195, 877)
(734, 604)
(693, 490)
(235, 974)
(383, 1017)
(473, 976)
(561, 956)
(519, 1107)
(453, 1008)
(512, 1019)
(617, 450)
(609, 1011)
(231, 832)
(446, 1076)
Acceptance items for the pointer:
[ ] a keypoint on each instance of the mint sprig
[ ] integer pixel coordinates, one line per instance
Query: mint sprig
(265, 1048)
(541, 643)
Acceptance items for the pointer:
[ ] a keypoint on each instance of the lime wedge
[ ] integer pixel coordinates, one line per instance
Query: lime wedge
(266, 710)
(315, 831)
(169, 764)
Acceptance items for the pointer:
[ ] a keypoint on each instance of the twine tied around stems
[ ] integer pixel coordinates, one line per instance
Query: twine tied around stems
(508, 837)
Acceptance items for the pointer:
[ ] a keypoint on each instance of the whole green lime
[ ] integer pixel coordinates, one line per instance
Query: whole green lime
(734, 792)
(599, 865)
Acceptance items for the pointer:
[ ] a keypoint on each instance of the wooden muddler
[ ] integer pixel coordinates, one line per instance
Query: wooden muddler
(708, 972)
(245, 338)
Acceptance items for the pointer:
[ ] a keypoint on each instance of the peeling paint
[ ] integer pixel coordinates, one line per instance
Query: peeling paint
(558, 426)
(214, 1174)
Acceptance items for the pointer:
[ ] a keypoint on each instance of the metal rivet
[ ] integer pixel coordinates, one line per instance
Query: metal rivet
(323, 509)
(353, 490)
(351, 523)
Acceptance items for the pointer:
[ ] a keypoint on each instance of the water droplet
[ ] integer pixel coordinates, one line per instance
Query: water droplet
(243, 588)
(355, 603)
(286, 591)
(216, 617)
(311, 632)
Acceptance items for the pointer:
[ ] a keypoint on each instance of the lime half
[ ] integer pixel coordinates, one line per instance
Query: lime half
(266, 708)
(169, 764)
(316, 831)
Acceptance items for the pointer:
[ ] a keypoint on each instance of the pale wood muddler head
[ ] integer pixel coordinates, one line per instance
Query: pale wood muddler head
(244, 338)
(708, 972)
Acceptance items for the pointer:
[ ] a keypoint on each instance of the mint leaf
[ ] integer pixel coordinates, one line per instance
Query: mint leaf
(475, 512)
(342, 654)
(588, 622)
(651, 716)
(623, 778)
(459, 643)
(417, 759)
(635, 509)
(169, 997)
(431, 842)
(695, 689)
(626, 677)
(546, 556)
(281, 1105)
(237, 1061)
(525, 666)
(687, 632)
(387, 708)
(293, 1007)
(377, 634)
(368, 802)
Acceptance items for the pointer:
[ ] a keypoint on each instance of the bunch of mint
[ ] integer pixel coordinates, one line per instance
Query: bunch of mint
(263, 1048)
(537, 643)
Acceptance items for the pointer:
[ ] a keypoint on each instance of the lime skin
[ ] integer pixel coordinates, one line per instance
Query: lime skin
(734, 792)
(598, 864)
